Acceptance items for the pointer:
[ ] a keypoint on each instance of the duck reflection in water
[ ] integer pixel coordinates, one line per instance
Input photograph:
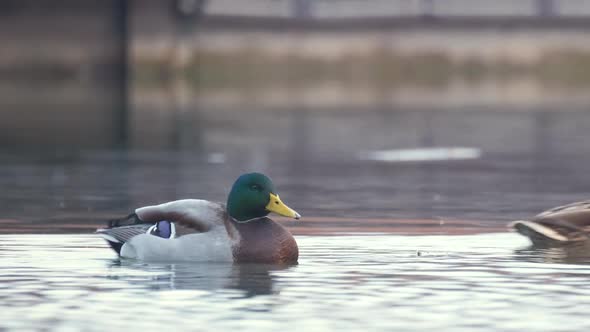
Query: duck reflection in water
(578, 253)
(251, 279)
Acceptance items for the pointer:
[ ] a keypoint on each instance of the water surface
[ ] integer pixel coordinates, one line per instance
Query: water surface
(379, 282)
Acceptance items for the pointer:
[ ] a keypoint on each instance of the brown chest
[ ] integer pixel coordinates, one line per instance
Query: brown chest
(264, 241)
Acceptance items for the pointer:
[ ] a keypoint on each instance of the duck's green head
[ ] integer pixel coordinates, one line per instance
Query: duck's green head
(252, 196)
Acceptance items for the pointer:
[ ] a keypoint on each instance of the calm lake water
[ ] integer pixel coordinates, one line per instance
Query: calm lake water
(394, 235)
(377, 283)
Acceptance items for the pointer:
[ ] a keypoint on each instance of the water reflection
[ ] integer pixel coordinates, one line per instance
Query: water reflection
(250, 279)
(566, 254)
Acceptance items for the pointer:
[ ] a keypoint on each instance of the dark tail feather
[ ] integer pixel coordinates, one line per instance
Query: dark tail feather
(116, 246)
(112, 227)
(131, 219)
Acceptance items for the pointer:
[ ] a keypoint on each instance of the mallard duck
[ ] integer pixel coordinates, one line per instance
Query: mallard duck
(200, 230)
(563, 225)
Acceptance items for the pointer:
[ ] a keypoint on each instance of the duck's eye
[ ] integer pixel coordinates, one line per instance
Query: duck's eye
(255, 187)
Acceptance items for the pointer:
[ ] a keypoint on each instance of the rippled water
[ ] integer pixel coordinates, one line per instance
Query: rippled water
(369, 282)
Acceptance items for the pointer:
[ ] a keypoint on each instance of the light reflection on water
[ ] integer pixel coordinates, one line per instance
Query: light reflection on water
(377, 282)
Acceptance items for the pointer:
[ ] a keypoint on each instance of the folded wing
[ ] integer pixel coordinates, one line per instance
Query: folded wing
(168, 220)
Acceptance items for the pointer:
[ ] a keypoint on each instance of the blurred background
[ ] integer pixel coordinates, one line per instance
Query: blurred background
(415, 111)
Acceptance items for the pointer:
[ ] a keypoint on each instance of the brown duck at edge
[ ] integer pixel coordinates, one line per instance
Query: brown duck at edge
(562, 225)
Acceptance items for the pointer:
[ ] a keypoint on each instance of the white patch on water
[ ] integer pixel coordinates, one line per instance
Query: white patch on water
(422, 154)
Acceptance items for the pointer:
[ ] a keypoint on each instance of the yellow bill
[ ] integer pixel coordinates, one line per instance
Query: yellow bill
(277, 206)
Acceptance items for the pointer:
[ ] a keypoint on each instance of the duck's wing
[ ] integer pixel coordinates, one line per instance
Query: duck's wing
(196, 214)
(581, 208)
(119, 231)
(575, 216)
(168, 220)
(122, 230)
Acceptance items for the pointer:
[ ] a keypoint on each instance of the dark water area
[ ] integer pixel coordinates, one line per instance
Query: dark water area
(367, 165)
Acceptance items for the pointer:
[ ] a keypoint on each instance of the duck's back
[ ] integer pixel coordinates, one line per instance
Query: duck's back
(264, 241)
